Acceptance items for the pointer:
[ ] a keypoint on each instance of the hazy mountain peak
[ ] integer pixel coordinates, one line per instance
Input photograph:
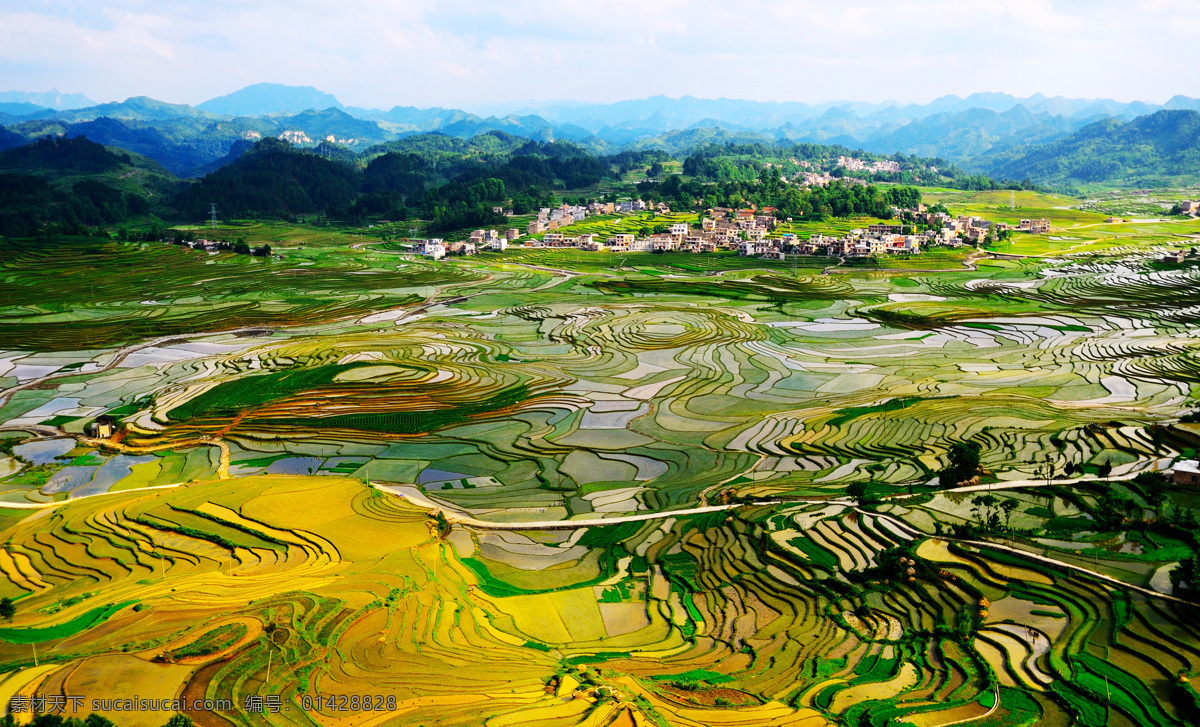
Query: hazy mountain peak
(262, 99)
(1183, 102)
(51, 99)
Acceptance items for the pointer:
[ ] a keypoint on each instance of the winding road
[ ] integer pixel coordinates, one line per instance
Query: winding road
(415, 496)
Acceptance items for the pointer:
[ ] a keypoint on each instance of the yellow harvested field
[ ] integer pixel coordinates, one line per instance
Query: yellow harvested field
(936, 718)
(18, 571)
(119, 675)
(937, 550)
(624, 618)
(23, 681)
(556, 712)
(846, 698)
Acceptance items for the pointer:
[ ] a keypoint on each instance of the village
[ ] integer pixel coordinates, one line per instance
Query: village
(750, 232)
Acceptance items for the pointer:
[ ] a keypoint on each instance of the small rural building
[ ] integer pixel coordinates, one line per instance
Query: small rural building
(103, 427)
(1186, 472)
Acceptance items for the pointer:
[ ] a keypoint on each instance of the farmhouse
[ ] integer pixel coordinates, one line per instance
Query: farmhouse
(434, 248)
(1186, 472)
(103, 427)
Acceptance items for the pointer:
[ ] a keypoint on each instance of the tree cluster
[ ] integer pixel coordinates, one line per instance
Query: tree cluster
(789, 200)
(963, 465)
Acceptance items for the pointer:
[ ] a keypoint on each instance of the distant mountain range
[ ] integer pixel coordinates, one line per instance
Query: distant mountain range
(994, 133)
(661, 113)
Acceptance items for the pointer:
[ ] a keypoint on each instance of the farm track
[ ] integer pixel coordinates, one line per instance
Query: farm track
(971, 262)
(60, 503)
(456, 518)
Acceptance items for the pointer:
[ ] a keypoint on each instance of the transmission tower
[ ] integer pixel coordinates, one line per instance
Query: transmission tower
(212, 220)
(1012, 201)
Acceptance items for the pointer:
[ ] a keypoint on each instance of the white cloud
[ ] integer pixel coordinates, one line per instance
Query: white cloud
(469, 52)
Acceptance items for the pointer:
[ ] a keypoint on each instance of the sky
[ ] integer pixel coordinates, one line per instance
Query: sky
(475, 54)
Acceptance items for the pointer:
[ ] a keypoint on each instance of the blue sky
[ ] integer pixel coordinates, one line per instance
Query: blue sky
(472, 54)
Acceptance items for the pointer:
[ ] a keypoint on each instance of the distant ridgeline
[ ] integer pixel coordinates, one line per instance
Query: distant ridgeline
(72, 184)
(1161, 147)
(1046, 140)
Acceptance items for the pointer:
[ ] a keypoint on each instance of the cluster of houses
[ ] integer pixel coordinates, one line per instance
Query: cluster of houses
(480, 240)
(746, 231)
(851, 164)
(815, 179)
(550, 219)
(216, 246)
(206, 245)
(1189, 208)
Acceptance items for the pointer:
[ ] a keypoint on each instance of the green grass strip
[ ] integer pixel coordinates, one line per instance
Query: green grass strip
(63, 630)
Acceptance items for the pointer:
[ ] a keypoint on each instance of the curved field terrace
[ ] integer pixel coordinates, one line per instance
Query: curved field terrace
(553, 489)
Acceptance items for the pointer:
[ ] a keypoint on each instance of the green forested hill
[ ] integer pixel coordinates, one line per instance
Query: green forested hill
(8, 139)
(271, 180)
(1160, 147)
(75, 183)
(451, 182)
(57, 156)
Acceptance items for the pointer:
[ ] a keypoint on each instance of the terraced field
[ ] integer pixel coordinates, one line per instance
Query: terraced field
(543, 488)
